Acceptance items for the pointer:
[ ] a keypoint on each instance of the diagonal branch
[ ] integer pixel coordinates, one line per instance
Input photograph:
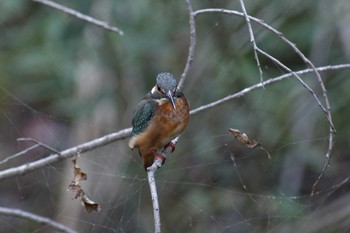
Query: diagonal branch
(261, 85)
(125, 133)
(36, 218)
(192, 46)
(39, 144)
(19, 154)
(81, 16)
(68, 153)
(299, 79)
(252, 39)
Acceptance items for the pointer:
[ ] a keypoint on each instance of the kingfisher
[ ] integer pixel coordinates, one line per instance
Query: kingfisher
(161, 116)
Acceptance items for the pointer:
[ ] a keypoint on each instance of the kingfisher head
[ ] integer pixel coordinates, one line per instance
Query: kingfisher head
(166, 87)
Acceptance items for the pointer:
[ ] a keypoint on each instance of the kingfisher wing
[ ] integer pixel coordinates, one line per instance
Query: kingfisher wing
(143, 114)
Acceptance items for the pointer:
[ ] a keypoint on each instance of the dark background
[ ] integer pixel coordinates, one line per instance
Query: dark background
(64, 81)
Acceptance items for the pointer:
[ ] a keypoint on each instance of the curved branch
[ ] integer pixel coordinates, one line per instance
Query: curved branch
(36, 218)
(81, 16)
(192, 46)
(326, 109)
(19, 154)
(288, 42)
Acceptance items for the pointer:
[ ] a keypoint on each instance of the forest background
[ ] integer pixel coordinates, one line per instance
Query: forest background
(64, 81)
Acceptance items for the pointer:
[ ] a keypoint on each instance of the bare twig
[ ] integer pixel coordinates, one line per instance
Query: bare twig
(326, 164)
(88, 146)
(155, 202)
(36, 218)
(298, 78)
(122, 134)
(81, 16)
(19, 154)
(192, 46)
(326, 112)
(252, 39)
(260, 85)
(153, 187)
(39, 143)
(284, 39)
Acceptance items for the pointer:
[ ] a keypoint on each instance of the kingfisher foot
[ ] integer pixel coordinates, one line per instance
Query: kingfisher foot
(172, 145)
(156, 155)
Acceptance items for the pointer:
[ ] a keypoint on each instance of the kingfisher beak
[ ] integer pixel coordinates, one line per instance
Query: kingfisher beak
(169, 95)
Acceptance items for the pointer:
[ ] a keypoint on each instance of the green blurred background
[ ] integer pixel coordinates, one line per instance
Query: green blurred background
(64, 82)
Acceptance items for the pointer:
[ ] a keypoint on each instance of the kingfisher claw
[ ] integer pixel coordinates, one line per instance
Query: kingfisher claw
(156, 155)
(160, 157)
(172, 145)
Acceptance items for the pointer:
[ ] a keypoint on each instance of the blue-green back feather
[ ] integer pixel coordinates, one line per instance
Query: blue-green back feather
(142, 115)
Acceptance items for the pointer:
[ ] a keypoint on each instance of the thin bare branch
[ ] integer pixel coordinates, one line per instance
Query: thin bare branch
(192, 46)
(288, 42)
(325, 111)
(284, 39)
(261, 85)
(39, 143)
(19, 154)
(326, 164)
(298, 78)
(252, 39)
(81, 16)
(88, 146)
(36, 218)
(151, 171)
(122, 134)
(155, 202)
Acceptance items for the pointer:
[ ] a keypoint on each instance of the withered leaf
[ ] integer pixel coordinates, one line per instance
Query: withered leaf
(90, 205)
(243, 138)
(78, 173)
(77, 190)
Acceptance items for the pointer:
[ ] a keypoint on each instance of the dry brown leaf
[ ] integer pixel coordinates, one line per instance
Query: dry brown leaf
(244, 139)
(77, 190)
(89, 205)
(78, 173)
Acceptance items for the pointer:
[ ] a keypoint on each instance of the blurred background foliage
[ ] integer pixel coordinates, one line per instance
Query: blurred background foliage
(64, 81)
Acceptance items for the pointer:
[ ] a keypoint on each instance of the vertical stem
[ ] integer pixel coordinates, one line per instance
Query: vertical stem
(155, 203)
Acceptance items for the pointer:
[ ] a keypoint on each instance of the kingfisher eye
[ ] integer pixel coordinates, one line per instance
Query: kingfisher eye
(160, 90)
